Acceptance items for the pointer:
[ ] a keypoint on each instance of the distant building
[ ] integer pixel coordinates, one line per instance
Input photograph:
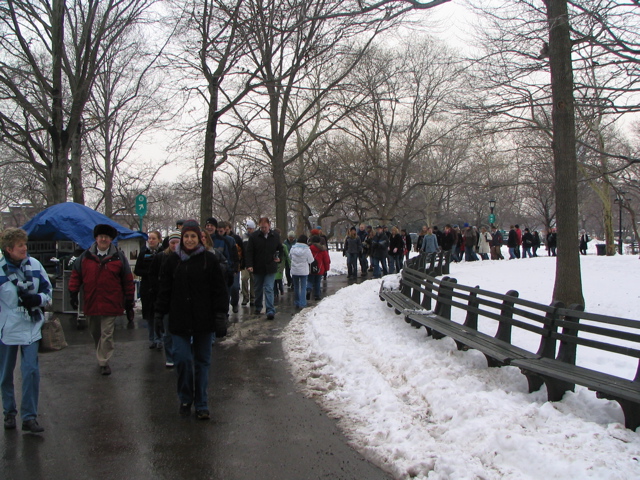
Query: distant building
(18, 215)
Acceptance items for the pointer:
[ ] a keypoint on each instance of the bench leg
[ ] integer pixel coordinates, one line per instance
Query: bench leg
(437, 335)
(630, 409)
(461, 346)
(557, 388)
(535, 381)
(492, 362)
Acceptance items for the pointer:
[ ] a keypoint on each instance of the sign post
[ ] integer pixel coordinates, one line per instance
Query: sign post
(141, 207)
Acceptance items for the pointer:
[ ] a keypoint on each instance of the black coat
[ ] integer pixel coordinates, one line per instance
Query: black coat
(260, 252)
(396, 242)
(192, 291)
(141, 269)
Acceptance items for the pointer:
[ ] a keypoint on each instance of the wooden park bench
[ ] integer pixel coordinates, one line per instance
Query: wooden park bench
(550, 336)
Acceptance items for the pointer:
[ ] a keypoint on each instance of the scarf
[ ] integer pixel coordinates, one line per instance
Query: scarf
(23, 286)
(187, 254)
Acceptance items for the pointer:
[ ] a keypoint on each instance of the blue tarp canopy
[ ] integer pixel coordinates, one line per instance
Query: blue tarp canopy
(73, 222)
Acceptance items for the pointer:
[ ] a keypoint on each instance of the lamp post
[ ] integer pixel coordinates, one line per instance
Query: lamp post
(619, 200)
(492, 217)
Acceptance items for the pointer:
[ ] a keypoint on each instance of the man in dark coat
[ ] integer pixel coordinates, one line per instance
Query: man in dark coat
(263, 253)
(496, 244)
(379, 252)
(108, 290)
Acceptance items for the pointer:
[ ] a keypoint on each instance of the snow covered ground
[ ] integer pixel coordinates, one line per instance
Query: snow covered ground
(419, 408)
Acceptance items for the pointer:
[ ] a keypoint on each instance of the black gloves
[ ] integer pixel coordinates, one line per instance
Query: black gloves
(220, 327)
(128, 307)
(30, 300)
(74, 300)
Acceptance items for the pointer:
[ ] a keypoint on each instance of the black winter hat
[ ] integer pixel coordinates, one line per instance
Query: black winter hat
(104, 229)
(212, 221)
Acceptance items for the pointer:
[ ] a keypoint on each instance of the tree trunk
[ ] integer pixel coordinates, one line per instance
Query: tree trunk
(57, 188)
(609, 235)
(77, 190)
(280, 189)
(568, 283)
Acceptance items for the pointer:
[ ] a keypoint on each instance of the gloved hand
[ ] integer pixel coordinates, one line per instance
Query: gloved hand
(30, 300)
(129, 304)
(73, 300)
(220, 325)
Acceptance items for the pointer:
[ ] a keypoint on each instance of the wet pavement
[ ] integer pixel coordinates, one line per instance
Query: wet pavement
(127, 426)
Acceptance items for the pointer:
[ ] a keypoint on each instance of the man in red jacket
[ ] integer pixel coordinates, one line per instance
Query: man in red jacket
(108, 290)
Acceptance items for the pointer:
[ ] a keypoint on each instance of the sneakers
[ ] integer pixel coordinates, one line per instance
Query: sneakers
(105, 370)
(203, 415)
(234, 308)
(32, 426)
(185, 409)
(9, 422)
(270, 316)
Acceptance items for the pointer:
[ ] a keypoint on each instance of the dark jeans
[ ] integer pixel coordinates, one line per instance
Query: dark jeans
(313, 283)
(234, 290)
(167, 339)
(364, 263)
(352, 264)
(192, 363)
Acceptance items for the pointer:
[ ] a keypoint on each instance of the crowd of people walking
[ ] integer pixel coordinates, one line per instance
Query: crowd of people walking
(383, 251)
(190, 279)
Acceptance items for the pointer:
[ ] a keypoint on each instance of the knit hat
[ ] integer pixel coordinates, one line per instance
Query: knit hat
(251, 224)
(175, 234)
(315, 231)
(291, 234)
(104, 229)
(211, 221)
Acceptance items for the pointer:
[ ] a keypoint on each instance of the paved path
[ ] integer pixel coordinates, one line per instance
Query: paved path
(126, 426)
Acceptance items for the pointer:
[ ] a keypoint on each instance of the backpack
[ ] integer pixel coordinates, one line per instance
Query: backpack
(314, 268)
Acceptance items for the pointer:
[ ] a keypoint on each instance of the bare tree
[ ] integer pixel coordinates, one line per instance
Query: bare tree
(52, 52)
(286, 45)
(208, 54)
(125, 105)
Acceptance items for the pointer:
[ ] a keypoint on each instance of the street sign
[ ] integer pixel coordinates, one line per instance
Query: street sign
(492, 219)
(141, 205)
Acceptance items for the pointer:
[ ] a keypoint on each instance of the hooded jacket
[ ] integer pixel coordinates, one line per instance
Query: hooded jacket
(321, 255)
(301, 257)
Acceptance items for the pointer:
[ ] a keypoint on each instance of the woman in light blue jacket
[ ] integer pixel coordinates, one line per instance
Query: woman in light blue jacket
(301, 257)
(24, 290)
(430, 242)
